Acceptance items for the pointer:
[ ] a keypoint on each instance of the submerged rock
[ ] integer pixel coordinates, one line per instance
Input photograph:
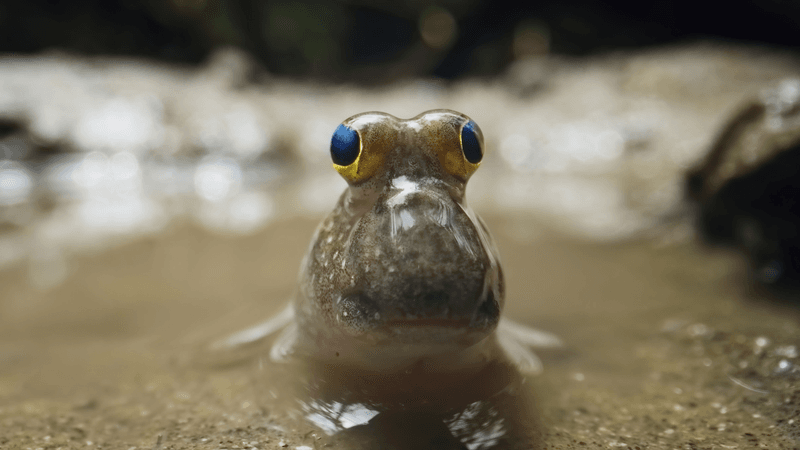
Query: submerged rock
(748, 186)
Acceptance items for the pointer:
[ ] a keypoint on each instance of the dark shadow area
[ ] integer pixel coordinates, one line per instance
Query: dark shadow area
(758, 212)
(350, 40)
(489, 409)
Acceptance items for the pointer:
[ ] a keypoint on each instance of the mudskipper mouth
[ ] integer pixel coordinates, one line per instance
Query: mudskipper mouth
(421, 270)
(429, 322)
(361, 317)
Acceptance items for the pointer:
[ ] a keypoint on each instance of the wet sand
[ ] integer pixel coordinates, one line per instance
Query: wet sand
(111, 284)
(666, 346)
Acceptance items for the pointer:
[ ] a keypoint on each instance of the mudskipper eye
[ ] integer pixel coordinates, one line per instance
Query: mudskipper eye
(472, 142)
(345, 146)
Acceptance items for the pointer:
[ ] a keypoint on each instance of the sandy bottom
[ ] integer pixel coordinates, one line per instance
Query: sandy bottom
(667, 348)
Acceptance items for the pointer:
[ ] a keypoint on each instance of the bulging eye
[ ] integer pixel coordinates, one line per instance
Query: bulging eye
(472, 142)
(345, 146)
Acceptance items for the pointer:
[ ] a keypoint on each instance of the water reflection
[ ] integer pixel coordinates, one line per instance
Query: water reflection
(244, 213)
(128, 124)
(225, 205)
(490, 409)
(235, 131)
(335, 416)
(15, 183)
(128, 145)
(218, 179)
(560, 148)
(108, 193)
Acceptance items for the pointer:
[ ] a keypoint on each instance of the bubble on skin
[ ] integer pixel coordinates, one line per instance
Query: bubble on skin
(743, 364)
(783, 366)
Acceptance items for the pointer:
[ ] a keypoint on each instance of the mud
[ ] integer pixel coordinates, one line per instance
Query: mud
(667, 347)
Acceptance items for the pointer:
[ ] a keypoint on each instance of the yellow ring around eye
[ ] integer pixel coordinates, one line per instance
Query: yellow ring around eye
(367, 164)
(455, 164)
(454, 161)
(350, 173)
(342, 151)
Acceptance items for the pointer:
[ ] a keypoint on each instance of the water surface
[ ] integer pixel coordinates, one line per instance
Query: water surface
(666, 347)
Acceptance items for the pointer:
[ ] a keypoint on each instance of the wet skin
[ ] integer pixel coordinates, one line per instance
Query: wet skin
(402, 272)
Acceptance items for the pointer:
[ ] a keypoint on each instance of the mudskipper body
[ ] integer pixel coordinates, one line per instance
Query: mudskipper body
(402, 273)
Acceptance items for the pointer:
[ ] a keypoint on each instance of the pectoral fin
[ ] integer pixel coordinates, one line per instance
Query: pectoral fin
(246, 345)
(257, 333)
(517, 339)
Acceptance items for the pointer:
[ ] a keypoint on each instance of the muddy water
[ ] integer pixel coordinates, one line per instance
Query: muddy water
(123, 259)
(666, 347)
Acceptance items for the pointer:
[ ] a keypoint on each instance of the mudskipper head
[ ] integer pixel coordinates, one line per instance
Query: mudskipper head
(401, 260)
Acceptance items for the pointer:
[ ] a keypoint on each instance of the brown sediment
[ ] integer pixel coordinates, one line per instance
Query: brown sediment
(653, 336)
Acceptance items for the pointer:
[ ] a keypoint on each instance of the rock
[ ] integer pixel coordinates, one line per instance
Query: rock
(748, 186)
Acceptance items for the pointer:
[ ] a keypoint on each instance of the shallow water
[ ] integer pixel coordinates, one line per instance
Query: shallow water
(666, 347)
(120, 260)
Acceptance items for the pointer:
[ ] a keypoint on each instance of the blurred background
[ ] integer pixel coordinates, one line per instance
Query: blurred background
(163, 164)
(372, 42)
(118, 116)
(361, 41)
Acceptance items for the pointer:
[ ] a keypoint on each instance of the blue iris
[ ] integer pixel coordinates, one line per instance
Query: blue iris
(345, 145)
(471, 145)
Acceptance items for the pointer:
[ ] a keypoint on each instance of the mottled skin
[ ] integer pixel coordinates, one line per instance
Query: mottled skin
(401, 262)
(402, 272)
